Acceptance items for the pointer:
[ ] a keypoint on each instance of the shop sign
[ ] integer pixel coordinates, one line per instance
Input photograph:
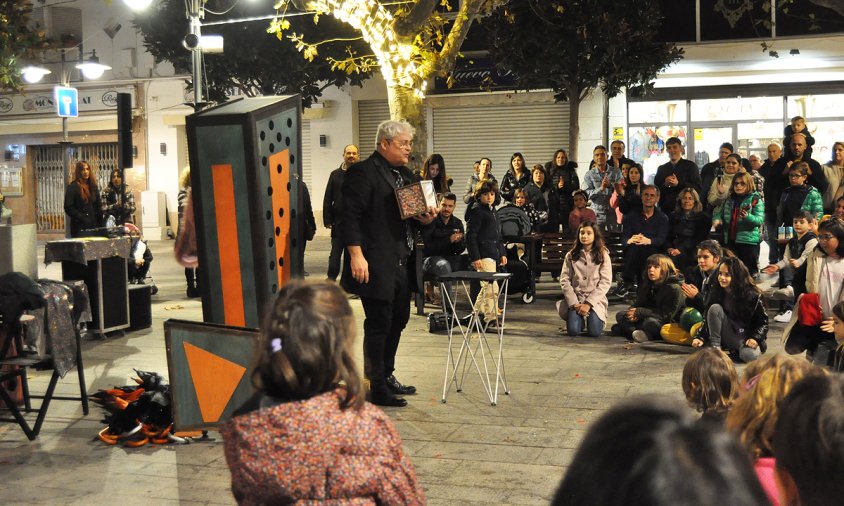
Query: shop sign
(618, 133)
(44, 102)
(698, 134)
(474, 75)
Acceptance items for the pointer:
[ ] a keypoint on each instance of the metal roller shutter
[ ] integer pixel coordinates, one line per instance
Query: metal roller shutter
(463, 134)
(370, 114)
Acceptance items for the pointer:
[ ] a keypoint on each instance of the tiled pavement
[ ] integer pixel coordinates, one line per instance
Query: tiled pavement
(465, 451)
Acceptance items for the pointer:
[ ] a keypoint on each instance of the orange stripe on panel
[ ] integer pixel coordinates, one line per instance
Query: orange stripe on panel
(281, 200)
(227, 245)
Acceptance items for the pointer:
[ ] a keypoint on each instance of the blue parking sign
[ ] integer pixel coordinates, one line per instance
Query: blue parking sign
(67, 102)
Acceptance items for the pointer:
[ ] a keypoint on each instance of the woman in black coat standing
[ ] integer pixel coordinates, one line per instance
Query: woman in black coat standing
(564, 181)
(82, 201)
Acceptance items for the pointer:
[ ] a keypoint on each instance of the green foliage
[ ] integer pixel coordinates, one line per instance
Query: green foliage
(254, 62)
(573, 46)
(17, 40)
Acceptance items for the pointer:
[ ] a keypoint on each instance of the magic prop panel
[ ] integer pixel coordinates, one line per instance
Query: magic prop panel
(245, 163)
(210, 370)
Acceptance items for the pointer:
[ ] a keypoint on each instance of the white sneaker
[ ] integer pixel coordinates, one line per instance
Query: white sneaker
(786, 293)
(640, 336)
(783, 317)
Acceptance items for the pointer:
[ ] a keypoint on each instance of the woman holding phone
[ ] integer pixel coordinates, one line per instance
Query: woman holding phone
(740, 217)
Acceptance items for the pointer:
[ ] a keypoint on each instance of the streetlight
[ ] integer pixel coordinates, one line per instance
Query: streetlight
(194, 42)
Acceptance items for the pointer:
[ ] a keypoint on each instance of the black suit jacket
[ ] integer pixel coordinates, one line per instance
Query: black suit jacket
(370, 219)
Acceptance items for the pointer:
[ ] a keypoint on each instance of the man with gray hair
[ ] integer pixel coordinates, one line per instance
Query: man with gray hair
(378, 245)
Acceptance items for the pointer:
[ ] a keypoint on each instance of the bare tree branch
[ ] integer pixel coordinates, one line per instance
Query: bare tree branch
(408, 25)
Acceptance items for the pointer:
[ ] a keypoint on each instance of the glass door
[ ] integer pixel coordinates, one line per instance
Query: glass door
(707, 141)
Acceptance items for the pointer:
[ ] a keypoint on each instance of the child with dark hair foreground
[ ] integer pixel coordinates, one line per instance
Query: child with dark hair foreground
(652, 452)
(307, 435)
(710, 383)
(809, 446)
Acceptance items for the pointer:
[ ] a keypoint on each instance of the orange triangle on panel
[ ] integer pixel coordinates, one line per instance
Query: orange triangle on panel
(214, 380)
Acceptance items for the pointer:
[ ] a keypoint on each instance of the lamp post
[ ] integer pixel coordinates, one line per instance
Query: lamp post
(90, 69)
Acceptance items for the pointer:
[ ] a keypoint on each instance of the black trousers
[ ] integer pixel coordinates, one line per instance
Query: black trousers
(625, 327)
(335, 257)
(635, 261)
(748, 254)
(819, 343)
(382, 328)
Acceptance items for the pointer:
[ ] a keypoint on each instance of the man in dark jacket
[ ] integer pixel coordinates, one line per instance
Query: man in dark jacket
(617, 158)
(331, 208)
(774, 184)
(445, 242)
(676, 175)
(308, 222)
(378, 245)
(797, 155)
(710, 172)
(643, 233)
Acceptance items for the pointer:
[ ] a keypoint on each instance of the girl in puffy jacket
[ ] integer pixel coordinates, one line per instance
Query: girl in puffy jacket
(735, 319)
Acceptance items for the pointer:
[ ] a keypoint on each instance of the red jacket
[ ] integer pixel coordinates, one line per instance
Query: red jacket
(303, 451)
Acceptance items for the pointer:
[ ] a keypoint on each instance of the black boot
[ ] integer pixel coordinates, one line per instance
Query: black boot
(380, 395)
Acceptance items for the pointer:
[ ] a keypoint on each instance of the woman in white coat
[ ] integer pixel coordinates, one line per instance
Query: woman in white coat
(585, 280)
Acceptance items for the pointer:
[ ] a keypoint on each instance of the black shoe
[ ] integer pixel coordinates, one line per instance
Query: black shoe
(383, 397)
(394, 386)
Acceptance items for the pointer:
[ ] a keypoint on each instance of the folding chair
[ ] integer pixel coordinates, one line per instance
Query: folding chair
(12, 355)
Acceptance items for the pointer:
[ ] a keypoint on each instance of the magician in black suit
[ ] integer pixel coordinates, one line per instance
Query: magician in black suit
(378, 246)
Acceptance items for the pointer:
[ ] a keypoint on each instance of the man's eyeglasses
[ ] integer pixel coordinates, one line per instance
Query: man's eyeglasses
(402, 144)
(825, 237)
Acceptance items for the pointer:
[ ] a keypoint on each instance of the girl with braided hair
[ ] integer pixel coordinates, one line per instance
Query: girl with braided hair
(307, 435)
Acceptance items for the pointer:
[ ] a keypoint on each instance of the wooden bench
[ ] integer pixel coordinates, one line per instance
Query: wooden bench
(553, 247)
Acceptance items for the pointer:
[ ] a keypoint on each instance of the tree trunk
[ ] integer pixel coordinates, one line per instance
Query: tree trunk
(574, 124)
(406, 105)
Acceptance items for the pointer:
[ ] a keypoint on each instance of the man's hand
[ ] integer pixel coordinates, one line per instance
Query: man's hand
(477, 264)
(751, 343)
(794, 263)
(697, 343)
(673, 252)
(631, 314)
(772, 268)
(672, 180)
(428, 217)
(360, 267)
(605, 183)
(456, 237)
(689, 290)
(504, 260)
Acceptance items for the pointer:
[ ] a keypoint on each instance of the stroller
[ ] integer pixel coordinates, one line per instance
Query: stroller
(514, 224)
(138, 274)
